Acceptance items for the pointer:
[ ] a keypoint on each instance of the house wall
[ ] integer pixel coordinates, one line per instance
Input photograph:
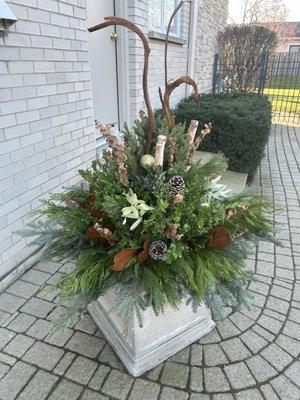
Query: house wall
(211, 20)
(46, 119)
(46, 116)
(211, 16)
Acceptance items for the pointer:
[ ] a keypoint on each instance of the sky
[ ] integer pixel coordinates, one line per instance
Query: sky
(292, 5)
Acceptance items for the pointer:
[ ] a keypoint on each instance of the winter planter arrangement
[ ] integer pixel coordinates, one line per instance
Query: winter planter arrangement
(156, 240)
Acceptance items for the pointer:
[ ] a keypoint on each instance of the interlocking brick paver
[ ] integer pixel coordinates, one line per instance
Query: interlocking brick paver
(276, 356)
(10, 303)
(118, 385)
(183, 356)
(270, 324)
(144, 390)
(223, 396)
(215, 380)
(43, 355)
(174, 394)
(196, 354)
(21, 323)
(81, 370)
(260, 368)
(86, 345)
(109, 357)
(48, 266)
(15, 380)
(278, 305)
(214, 355)
(39, 387)
(64, 363)
(5, 337)
(40, 329)
(293, 373)
(59, 338)
(235, 349)
(239, 375)
(66, 390)
(37, 307)
(227, 329)
(196, 379)
(251, 355)
(292, 329)
(251, 394)
(23, 289)
(98, 377)
(86, 324)
(90, 395)
(174, 374)
(18, 345)
(36, 277)
(269, 392)
(253, 341)
(4, 368)
(285, 388)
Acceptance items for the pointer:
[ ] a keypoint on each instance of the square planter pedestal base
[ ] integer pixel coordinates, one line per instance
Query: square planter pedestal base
(160, 337)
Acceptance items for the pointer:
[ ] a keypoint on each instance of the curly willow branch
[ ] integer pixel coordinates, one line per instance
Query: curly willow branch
(166, 98)
(127, 24)
(167, 39)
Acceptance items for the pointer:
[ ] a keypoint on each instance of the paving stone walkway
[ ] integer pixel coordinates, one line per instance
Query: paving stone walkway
(252, 355)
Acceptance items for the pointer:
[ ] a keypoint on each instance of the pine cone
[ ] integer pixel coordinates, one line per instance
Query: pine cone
(157, 250)
(177, 185)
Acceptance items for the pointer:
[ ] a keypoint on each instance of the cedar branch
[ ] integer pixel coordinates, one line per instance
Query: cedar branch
(127, 24)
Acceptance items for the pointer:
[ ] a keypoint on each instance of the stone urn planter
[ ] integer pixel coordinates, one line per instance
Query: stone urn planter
(142, 348)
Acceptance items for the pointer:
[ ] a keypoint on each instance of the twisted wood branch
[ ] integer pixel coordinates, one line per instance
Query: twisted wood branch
(127, 24)
(167, 39)
(171, 86)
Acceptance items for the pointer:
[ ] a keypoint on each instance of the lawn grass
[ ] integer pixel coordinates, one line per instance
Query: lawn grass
(284, 93)
(283, 82)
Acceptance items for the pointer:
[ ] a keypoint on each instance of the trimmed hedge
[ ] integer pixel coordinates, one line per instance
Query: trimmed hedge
(241, 126)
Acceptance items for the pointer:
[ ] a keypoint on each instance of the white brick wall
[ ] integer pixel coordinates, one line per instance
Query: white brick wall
(46, 119)
(212, 16)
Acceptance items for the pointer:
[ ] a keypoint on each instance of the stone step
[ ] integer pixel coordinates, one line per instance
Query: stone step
(236, 181)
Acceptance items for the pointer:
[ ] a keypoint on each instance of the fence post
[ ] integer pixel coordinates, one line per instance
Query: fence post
(262, 73)
(215, 72)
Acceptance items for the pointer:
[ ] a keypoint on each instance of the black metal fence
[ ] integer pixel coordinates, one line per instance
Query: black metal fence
(277, 76)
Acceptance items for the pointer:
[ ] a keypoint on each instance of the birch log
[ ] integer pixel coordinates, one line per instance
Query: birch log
(192, 131)
(159, 151)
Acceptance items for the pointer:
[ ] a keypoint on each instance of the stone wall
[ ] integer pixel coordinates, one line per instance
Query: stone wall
(211, 20)
(46, 119)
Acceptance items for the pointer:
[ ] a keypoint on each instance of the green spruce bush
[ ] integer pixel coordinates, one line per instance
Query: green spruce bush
(241, 126)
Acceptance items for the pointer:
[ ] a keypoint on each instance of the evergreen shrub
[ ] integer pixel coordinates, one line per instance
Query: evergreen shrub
(241, 126)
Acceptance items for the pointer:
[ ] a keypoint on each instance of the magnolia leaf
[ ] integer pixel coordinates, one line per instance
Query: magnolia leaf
(144, 207)
(220, 237)
(137, 222)
(122, 258)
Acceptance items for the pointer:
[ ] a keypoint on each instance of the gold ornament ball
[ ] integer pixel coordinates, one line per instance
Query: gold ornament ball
(147, 161)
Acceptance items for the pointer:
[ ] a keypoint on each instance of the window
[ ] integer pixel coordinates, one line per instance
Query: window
(160, 12)
(294, 48)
